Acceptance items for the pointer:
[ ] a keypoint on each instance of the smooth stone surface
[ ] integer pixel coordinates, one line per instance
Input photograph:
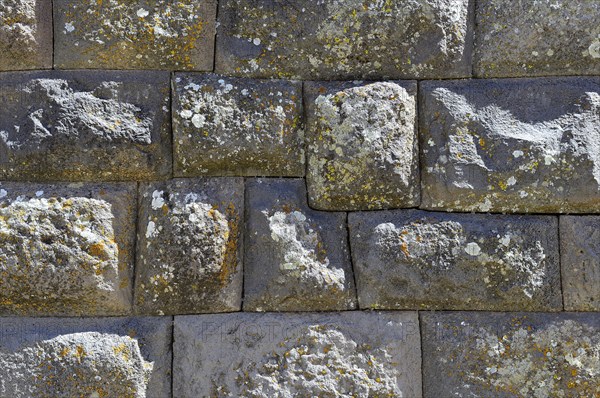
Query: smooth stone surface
(189, 252)
(511, 145)
(362, 145)
(296, 259)
(235, 126)
(362, 354)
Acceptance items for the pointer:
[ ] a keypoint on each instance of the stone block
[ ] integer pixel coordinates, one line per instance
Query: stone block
(66, 249)
(537, 38)
(412, 259)
(92, 357)
(296, 259)
(341, 40)
(511, 145)
(236, 126)
(189, 252)
(362, 145)
(362, 354)
(134, 34)
(503, 355)
(84, 126)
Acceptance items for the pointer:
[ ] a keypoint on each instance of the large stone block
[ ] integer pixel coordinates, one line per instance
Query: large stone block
(414, 259)
(361, 354)
(296, 258)
(537, 38)
(510, 354)
(84, 125)
(25, 34)
(66, 249)
(92, 357)
(513, 145)
(134, 34)
(362, 145)
(580, 262)
(344, 39)
(235, 126)
(189, 252)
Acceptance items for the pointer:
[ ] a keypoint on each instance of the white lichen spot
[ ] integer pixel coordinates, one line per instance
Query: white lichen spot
(594, 49)
(511, 181)
(517, 153)
(198, 120)
(256, 41)
(151, 231)
(3, 193)
(186, 114)
(69, 27)
(472, 249)
(142, 13)
(157, 200)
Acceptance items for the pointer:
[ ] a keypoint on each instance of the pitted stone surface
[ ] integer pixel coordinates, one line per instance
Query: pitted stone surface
(67, 249)
(139, 34)
(296, 258)
(511, 145)
(511, 355)
(362, 145)
(580, 262)
(25, 34)
(336, 40)
(190, 246)
(93, 357)
(414, 259)
(84, 126)
(537, 38)
(234, 126)
(285, 355)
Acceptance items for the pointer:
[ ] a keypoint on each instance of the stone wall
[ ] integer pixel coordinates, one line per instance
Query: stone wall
(292, 198)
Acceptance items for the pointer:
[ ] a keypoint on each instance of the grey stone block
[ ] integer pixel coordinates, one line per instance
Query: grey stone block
(512, 145)
(510, 354)
(537, 38)
(84, 125)
(580, 262)
(361, 354)
(66, 249)
(235, 126)
(92, 357)
(134, 34)
(296, 258)
(421, 260)
(25, 34)
(337, 40)
(189, 252)
(362, 149)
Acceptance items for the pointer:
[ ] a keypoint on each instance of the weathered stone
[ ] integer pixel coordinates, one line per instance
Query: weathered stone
(139, 34)
(511, 145)
(296, 258)
(510, 355)
(93, 357)
(66, 249)
(344, 39)
(360, 354)
(235, 126)
(25, 34)
(190, 246)
(362, 145)
(537, 38)
(580, 262)
(84, 126)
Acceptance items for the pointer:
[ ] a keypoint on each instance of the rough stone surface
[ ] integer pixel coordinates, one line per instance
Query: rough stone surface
(537, 38)
(138, 34)
(580, 262)
(84, 125)
(296, 258)
(25, 34)
(190, 246)
(420, 260)
(344, 39)
(66, 249)
(513, 145)
(93, 357)
(236, 126)
(362, 145)
(511, 355)
(285, 355)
